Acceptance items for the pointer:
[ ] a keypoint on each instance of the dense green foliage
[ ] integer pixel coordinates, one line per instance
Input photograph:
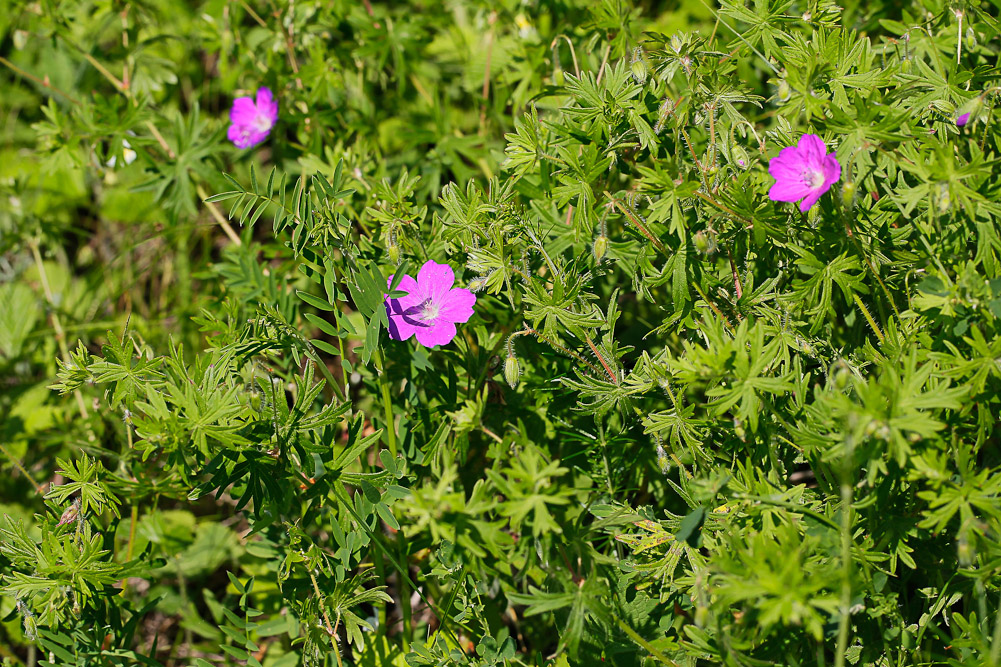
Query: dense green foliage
(687, 425)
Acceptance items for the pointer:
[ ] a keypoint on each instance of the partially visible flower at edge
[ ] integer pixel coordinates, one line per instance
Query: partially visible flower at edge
(963, 120)
(127, 153)
(252, 121)
(804, 171)
(431, 308)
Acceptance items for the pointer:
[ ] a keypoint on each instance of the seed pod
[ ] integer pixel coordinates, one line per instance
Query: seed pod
(638, 66)
(512, 371)
(600, 247)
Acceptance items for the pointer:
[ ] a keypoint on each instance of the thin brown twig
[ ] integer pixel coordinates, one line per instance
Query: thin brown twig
(226, 227)
(639, 225)
(738, 290)
(19, 466)
(608, 369)
(573, 53)
(44, 83)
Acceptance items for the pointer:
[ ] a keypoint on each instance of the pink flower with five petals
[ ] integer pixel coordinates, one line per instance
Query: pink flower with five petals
(431, 308)
(803, 172)
(252, 120)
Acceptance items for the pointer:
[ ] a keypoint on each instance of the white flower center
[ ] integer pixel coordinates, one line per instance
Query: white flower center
(261, 123)
(813, 178)
(428, 311)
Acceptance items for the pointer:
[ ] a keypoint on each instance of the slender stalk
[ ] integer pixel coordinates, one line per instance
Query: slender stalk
(846, 556)
(608, 370)
(706, 198)
(644, 643)
(219, 216)
(573, 53)
(19, 466)
(387, 406)
(405, 610)
(56, 322)
(326, 616)
(485, 93)
(738, 290)
(44, 83)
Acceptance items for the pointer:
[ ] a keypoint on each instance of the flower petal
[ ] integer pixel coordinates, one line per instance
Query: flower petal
(266, 104)
(812, 148)
(787, 164)
(441, 333)
(243, 112)
(240, 135)
(401, 326)
(832, 170)
(788, 190)
(434, 280)
(811, 199)
(963, 120)
(457, 305)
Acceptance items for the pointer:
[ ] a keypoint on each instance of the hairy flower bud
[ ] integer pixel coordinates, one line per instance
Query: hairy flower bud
(841, 375)
(512, 371)
(740, 158)
(477, 284)
(600, 248)
(638, 66)
(944, 199)
(704, 243)
(971, 39)
(675, 43)
(785, 92)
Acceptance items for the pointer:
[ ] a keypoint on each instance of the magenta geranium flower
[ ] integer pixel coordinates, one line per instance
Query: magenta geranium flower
(963, 120)
(804, 171)
(431, 308)
(252, 120)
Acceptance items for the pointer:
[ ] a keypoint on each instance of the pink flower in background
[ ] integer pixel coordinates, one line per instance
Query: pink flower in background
(252, 121)
(963, 120)
(431, 307)
(804, 171)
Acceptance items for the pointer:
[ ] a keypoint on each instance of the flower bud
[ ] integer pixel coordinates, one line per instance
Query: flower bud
(944, 199)
(512, 371)
(740, 158)
(704, 243)
(971, 39)
(394, 253)
(848, 191)
(841, 375)
(785, 92)
(675, 43)
(638, 66)
(964, 550)
(20, 39)
(477, 284)
(662, 460)
(600, 248)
